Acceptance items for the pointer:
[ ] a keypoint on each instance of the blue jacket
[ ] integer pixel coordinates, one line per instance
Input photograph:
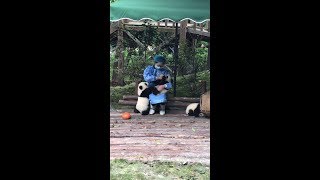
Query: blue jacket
(151, 73)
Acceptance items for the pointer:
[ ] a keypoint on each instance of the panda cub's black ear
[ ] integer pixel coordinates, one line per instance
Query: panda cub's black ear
(146, 84)
(140, 87)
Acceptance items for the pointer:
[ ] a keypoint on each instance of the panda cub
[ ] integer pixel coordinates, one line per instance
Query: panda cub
(142, 105)
(163, 81)
(193, 109)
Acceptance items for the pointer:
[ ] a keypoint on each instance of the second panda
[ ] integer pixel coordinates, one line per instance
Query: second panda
(142, 105)
(193, 109)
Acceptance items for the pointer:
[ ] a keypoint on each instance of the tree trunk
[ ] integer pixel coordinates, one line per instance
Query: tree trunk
(194, 68)
(208, 58)
(114, 73)
(120, 52)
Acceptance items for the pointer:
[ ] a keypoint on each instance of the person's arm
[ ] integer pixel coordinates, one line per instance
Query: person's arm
(148, 74)
(168, 86)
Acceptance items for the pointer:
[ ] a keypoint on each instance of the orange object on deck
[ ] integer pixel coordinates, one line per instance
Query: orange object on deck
(126, 115)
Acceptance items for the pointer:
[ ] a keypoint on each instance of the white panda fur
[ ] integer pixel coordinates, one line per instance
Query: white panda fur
(142, 105)
(144, 86)
(193, 109)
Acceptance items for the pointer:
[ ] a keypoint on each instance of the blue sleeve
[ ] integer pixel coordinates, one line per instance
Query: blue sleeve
(148, 74)
(169, 85)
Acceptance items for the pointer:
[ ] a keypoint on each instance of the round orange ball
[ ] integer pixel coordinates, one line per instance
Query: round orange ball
(126, 115)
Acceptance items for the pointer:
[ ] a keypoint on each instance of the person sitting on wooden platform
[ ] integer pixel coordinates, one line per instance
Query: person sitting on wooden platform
(151, 75)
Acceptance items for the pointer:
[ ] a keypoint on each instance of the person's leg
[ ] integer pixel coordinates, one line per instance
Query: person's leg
(162, 108)
(152, 110)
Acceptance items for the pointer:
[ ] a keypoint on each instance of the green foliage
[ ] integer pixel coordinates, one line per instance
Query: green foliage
(201, 55)
(136, 59)
(186, 87)
(123, 169)
(192, 60)
(149, 36)
(135, 65)
(185, 62)
(117, 92)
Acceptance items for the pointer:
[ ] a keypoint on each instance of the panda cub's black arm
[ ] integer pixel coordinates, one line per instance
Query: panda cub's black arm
(146, 92)
(155, 91)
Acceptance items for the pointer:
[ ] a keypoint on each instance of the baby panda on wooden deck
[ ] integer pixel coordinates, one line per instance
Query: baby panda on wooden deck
(193, 109)
(163, 81)
(142, 105)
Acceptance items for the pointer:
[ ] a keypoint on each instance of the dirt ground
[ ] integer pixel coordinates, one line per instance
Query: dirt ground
(173, 137)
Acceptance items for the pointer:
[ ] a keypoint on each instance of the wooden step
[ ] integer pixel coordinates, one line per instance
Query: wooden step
(169, 104)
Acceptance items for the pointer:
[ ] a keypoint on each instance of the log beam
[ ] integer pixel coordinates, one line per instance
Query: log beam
(113, 29)
(134, 39)
(182, 99)
(169, 104)
(160, 29)
(202, 33)
(165, 42)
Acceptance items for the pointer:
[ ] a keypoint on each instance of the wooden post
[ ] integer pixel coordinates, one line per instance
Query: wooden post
(120, 52)
(208, 58)
(176, 56)
(194, 43)
(183, 31)
(203, 85)
(201, 26)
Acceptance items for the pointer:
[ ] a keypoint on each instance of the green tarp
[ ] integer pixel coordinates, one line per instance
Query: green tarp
(176, 10)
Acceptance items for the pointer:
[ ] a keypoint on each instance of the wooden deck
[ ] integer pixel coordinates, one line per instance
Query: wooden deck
(167, 26)
(173, 137)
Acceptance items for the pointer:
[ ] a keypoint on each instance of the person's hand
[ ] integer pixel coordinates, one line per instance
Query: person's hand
(160, 87)
(160, 77)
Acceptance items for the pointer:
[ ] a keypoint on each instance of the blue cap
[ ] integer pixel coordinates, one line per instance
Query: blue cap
(159, 58)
